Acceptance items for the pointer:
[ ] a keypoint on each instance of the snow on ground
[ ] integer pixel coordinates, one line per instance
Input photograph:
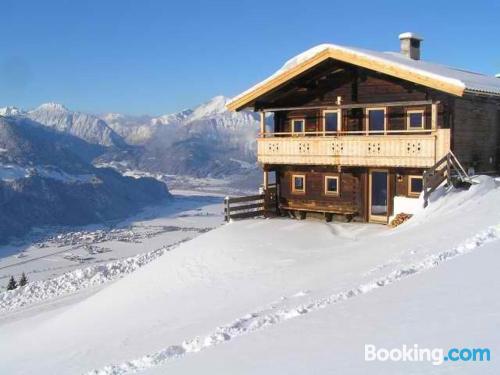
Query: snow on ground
(291, 293)
(65, 262)
(455, 305)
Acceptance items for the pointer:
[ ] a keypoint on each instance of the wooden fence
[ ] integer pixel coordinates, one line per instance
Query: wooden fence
(251, 205)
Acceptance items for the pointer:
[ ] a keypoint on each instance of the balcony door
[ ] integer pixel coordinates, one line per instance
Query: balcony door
(378, 195)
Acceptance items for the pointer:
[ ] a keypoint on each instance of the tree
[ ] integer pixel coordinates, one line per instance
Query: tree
(24, 280)
(12, 283)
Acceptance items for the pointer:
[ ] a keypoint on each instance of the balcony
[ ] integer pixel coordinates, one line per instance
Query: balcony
(398, 149)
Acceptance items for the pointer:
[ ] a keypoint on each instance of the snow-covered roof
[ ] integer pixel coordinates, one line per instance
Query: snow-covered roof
(440, 77)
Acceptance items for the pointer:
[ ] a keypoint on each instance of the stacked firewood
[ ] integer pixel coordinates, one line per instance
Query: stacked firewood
(400, 219)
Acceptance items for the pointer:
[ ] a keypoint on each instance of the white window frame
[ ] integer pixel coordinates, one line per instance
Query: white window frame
(412, 111)
(296, 191)
(339, 119)
(303, 127)
(332, 193)
(367, 113)
(413, 193)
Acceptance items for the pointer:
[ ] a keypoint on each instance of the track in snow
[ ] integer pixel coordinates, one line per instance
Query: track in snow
(265, 318)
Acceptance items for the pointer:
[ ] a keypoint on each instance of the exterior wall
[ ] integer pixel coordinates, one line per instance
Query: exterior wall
(355, 119)
(402, 180)
(476, 134)
(354, 189)
(350, 199)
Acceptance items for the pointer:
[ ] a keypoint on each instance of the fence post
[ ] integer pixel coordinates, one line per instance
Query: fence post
(425, 182)
(227, 212)
(448, 169)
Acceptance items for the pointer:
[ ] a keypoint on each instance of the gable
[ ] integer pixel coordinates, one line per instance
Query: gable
(433, 76)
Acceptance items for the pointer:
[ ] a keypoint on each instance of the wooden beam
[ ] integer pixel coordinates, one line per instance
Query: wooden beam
(262, 122)
(434, 114)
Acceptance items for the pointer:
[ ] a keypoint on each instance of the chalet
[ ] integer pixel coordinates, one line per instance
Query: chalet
(356, 131)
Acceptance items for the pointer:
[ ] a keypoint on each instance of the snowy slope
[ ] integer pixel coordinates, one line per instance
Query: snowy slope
(254, 277)
(430, 309)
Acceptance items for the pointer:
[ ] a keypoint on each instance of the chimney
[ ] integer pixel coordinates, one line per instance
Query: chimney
(410, 45)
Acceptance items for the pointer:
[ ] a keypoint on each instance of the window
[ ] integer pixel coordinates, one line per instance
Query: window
(298, 126)
(332, 186)
(415, 185)
(331, 121)
(415, 119)
(298, 183)
(376, 120)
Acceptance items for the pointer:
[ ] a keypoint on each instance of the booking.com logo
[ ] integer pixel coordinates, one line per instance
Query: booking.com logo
(437, 356)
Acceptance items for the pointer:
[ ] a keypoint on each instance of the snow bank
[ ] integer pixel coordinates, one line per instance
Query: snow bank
(74, 281)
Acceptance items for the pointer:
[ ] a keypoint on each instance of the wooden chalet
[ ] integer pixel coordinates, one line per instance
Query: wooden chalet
(354, 130)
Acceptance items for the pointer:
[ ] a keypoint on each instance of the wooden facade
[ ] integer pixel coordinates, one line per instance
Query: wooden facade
(375, 130)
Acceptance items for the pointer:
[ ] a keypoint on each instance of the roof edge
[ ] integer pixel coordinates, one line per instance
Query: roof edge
(379, 65)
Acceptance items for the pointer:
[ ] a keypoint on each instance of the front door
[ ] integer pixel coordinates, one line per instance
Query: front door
(378, 195)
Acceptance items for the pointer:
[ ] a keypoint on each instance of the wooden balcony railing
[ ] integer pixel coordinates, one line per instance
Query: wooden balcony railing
(416, 148)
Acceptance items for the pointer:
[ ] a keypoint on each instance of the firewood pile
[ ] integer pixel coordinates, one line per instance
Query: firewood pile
(400, 219)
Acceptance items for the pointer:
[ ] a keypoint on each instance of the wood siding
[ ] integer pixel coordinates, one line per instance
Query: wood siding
(475, 136)
(350, 199)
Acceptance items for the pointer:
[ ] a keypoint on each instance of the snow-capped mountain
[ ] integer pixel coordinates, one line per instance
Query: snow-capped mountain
(207, 140)
(46, 178)
(141, 129)
(10, 111)
(83, 125)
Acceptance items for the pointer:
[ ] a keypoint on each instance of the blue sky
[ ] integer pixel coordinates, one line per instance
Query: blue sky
(156, 57)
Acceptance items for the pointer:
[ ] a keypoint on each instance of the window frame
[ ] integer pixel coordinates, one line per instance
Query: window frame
(332, 193)
(367, 123)
(413, 193)
(411, 111)
(339, 119)
(294, 190)
(292, 123)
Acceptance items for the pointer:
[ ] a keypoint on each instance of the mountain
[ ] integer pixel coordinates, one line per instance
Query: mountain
(46, 178)
(82, 125)
(10, 111)
(206, 141)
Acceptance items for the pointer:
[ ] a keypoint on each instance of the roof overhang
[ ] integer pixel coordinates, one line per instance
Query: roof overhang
(382, 66)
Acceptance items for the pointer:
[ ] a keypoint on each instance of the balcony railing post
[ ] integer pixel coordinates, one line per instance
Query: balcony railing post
(263, 124)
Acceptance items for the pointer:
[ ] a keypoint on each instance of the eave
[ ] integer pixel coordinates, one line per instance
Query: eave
(378, 65)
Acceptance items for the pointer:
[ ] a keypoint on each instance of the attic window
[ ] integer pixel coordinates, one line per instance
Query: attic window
(298, 183)
(415, 185)
(415, 119)
(298, 125)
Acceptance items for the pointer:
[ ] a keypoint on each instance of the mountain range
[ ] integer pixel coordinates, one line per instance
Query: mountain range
(53, 161)
(206, 141)
(47, 179)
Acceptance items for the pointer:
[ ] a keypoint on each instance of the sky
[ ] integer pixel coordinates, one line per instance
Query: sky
(159, 56)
